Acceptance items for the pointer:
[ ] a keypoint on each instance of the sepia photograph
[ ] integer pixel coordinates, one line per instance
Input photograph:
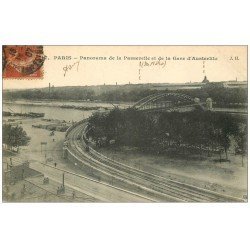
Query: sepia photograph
(124, 124)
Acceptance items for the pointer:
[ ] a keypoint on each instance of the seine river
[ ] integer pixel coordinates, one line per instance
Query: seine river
(54, 111)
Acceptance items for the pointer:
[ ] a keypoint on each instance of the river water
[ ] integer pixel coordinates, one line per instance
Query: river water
(53, 110)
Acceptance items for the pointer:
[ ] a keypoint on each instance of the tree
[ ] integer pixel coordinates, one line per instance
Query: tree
(241, 140)
(14, 136)
(226, 126)
(96, 128)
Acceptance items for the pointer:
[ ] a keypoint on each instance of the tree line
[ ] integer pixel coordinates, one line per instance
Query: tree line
(189, 132)
(223, 97)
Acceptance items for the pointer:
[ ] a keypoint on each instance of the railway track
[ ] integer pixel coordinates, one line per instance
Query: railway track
(155, 186)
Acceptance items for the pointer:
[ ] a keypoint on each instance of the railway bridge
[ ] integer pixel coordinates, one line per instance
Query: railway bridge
(169, 102)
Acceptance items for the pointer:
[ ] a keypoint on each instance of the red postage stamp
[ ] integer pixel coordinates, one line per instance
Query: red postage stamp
(23, 61)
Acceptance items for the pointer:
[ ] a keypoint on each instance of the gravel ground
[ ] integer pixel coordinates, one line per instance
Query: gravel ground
(227, 177)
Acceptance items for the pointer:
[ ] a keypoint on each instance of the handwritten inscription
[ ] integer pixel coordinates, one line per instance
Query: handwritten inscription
(159, 63)
(69, 67)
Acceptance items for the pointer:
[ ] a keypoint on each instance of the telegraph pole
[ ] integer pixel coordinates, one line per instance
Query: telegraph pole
(63, 180)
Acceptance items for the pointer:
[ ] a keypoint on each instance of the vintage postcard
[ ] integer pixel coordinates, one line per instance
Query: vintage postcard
(124, 123)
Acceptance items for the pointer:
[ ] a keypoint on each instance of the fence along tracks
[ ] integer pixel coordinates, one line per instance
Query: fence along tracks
(157, 187)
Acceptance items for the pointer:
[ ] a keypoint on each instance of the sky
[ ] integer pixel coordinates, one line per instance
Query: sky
(67, 65)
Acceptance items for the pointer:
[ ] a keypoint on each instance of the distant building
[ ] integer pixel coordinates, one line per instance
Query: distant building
(205, 80)
(207, 84)
(235, 84)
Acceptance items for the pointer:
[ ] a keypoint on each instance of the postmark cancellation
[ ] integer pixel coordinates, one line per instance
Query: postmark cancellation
(23, 62)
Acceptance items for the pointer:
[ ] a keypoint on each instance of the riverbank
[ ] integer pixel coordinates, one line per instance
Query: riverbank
(69, 103)
(50, 110)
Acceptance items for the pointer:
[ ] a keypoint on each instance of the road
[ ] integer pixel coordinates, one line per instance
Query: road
(74, 176)
(100, 191)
